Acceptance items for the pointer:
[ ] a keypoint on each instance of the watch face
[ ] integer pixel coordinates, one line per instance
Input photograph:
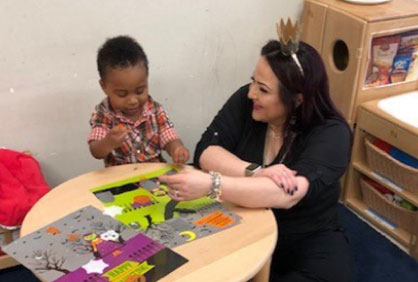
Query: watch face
(252, 166)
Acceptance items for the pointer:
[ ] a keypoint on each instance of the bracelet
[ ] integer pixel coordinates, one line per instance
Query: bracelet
(215, 189)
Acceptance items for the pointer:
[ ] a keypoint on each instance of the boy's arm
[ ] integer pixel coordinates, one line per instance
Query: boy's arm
(113, 139)
(177, 151)
(100, 148)
(169, 138)
(104, 137)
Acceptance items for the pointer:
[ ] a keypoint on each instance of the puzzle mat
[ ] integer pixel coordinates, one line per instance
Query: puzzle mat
(89, 246)
(142, 203)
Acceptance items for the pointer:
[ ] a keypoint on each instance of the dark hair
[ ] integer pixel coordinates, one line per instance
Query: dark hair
(120, 52)
(312, 84)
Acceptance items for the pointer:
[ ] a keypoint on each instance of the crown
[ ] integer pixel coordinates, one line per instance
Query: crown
(289, 40)
(288, 36)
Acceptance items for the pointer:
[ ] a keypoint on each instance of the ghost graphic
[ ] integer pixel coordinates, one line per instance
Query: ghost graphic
(104, 244)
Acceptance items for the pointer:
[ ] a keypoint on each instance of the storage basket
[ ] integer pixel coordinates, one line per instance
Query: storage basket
(6, 238)
(384, 164)
(400, 216)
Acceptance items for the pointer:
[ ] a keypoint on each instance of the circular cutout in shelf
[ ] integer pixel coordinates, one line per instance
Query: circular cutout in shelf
(340, 55)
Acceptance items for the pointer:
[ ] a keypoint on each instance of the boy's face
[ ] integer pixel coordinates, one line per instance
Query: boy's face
(127, 89)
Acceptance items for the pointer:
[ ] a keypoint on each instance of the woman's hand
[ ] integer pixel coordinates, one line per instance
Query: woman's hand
(189, 184)
(282, 176)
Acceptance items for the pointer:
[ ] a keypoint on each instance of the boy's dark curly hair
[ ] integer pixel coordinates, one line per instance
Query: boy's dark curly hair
(120, 52)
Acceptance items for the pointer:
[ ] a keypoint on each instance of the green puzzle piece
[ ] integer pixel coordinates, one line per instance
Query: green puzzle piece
(155, 211)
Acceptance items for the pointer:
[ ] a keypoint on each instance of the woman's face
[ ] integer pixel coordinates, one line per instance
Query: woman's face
(264, 91)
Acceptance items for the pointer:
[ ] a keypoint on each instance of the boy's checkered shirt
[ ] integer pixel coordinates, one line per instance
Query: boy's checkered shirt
(147, 136)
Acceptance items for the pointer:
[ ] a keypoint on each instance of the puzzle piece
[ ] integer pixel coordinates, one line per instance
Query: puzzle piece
(113, 211)
(95, 266)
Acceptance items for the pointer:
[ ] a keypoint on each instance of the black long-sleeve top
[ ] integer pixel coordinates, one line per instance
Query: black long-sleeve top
(320, 154)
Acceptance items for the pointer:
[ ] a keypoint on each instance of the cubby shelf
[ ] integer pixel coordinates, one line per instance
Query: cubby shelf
(361, 167)
(354, 43)
(374, 122)
(343, 34)
(401, 236)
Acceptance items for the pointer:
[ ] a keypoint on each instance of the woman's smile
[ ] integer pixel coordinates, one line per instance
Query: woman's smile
(257, 107)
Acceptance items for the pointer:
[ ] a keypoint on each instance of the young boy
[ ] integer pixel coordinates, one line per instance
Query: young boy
(128, 126)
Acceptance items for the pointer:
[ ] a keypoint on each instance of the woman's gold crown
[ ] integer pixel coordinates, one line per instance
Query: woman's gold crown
(289, 40)
(288, 36)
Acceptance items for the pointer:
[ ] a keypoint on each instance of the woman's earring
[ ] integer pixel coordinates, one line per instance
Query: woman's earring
(292, 120)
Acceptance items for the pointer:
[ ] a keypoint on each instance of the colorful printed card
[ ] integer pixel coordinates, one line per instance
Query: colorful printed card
(142, 203)
(89, 246)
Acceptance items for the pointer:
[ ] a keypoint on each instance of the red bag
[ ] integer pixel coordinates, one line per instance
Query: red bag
(21, 186)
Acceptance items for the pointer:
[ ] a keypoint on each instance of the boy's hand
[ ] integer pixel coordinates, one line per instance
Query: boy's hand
(180, 155)
(116, 136)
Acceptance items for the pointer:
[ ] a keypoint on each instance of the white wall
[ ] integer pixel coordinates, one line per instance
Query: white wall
(199, 52)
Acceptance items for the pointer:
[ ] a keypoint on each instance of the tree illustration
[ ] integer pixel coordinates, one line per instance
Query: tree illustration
(80, 246)
(100, 227)
(47, 261)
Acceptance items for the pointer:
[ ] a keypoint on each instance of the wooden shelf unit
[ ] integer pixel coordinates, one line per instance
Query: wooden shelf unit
(342, 33)
(5, 260)
(372, 121)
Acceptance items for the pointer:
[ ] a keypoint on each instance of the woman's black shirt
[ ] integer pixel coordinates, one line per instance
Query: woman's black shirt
(321, 154)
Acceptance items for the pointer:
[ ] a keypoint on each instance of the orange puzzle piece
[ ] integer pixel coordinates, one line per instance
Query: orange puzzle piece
(142, 199)
(73, 237)
(217, 219)
(53, 230)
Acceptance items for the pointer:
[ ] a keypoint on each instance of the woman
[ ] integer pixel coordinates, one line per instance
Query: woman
(286, 122)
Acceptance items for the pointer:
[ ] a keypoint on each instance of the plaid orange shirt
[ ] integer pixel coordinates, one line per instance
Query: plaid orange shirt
(147, 136)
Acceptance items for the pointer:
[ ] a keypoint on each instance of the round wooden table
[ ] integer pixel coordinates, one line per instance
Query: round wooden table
(235, 254)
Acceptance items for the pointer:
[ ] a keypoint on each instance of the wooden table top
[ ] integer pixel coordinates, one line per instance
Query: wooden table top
(235, 254)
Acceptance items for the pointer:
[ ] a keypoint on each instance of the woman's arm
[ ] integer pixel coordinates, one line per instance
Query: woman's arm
(215, 149)
(321, 163)
(218, 159)
(324, 158)
(254, 192)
